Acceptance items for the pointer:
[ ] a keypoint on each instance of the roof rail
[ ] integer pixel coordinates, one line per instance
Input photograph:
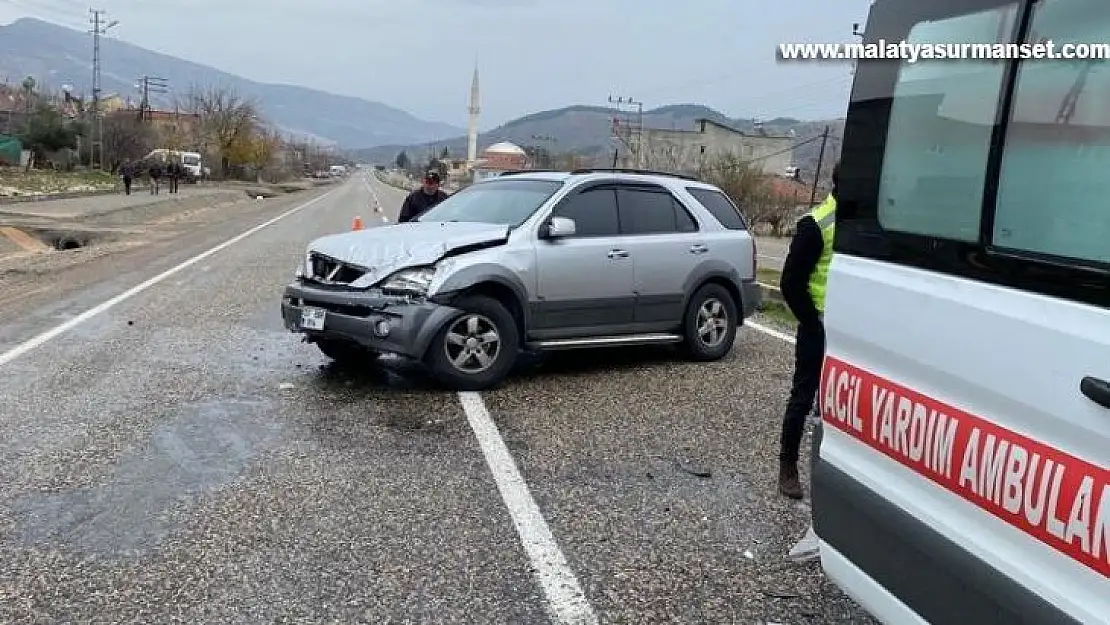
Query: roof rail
(514, 172)
(648, 172)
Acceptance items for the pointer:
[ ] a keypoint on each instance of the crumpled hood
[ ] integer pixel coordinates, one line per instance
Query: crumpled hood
(387, 249)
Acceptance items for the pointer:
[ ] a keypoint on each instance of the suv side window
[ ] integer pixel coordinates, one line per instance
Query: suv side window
(652, 211)
(594, 212)
(720, 206)
(942, 115)
(1054, 191)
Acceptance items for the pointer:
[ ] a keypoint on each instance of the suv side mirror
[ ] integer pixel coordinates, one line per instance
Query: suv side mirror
(558, 227)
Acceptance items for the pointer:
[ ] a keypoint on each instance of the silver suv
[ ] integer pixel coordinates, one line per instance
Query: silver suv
(533, 261)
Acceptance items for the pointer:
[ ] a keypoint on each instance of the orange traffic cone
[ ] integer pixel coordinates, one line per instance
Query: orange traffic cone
(357, 225)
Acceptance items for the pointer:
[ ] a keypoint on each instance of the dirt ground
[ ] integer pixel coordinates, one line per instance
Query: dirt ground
(47, 244)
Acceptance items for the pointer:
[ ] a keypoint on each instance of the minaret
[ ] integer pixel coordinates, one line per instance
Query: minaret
(472, 133)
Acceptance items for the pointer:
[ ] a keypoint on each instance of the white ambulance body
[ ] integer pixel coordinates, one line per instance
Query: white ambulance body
(963, 472)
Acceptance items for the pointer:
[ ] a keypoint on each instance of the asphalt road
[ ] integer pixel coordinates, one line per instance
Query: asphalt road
(169, 453)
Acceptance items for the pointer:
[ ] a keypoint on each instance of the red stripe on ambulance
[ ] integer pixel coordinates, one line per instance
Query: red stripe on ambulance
(1056, 498)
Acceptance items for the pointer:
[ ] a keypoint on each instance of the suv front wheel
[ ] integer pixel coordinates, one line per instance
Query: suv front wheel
(709, 327)
(477, 349)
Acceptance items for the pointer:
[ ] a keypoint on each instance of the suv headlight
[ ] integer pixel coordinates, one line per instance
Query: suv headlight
(414, 281)
(305, 268)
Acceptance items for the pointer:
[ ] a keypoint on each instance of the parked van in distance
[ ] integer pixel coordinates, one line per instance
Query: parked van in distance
(962, 469)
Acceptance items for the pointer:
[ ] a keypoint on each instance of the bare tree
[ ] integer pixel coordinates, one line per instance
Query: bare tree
(750, 189)
(228, 123)
(662, 156)
(126, 138)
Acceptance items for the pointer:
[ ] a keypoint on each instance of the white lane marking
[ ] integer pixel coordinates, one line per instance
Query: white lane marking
(566, 603)
(73, 322)
(373, 194)
(782, 336)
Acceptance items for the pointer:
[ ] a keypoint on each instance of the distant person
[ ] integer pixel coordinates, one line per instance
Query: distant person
(155, 172)
(173, 172)
(804, 273)
(423, 199)
(127, 172)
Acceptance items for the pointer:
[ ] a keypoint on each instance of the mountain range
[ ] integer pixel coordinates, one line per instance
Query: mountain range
(585, 131)
(372, 131)
(56, 56)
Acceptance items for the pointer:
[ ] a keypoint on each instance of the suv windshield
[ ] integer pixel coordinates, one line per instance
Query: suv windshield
(503, 202)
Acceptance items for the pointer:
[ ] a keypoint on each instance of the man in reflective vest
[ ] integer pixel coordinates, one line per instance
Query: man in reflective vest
(803, 288)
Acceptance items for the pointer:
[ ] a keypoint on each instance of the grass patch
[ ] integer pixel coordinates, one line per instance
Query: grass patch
(15, 182)
(767, 276)
(778, 312)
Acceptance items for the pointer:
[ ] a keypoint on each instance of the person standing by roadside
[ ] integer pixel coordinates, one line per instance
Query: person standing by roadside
(174, 172)
(421, 200)
(803, 288)
(127, 172)
(155, 172)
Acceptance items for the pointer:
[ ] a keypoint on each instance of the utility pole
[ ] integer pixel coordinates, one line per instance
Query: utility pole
(820, 160)
(856, 32)
(544, 151)
(636, 131)
(149, 85)
(100, 27)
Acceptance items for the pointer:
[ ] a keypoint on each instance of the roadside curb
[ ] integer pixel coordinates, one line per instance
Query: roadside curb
(48, 197)
(770, 292)
(390, 183)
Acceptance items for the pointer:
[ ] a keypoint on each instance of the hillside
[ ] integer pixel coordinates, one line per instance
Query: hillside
(585, 130)
(57, 56)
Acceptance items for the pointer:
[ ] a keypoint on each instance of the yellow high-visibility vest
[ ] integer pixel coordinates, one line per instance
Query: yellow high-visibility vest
(825, 216)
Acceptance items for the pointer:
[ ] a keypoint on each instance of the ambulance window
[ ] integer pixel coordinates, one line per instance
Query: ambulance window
(939, 134)
(1054, 191)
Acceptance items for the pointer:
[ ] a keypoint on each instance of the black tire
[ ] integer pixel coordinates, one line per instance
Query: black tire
(490, 315)
(694, 345)
(347, 352)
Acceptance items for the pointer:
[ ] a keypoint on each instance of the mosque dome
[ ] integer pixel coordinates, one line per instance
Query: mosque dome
(505, 148)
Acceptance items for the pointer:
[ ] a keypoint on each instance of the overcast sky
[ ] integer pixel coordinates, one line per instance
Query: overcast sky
(418, 55)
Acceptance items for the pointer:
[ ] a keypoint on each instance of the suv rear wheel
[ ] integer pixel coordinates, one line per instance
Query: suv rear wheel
(477, 349)
(709, 327)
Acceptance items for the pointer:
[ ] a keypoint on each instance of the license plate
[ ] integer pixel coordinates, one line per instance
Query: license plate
(313, 318)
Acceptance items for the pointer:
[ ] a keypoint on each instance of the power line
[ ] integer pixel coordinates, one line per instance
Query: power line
(820, 158)
(737, 165)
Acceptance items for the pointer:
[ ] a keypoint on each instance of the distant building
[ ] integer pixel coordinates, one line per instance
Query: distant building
(174, 129)
(690, 150)
(498, 159)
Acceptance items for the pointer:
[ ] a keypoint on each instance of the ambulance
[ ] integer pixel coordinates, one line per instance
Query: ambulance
(961, 472)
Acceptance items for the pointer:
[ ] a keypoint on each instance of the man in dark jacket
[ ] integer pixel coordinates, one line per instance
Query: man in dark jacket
(803, 287)
(127, 172)
(173, 172)
(155, 173)
(421, 200)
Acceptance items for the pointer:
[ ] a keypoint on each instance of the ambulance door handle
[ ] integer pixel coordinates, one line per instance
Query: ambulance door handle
(1096, 390)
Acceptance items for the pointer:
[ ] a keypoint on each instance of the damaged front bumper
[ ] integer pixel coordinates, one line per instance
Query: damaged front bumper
(382, 323)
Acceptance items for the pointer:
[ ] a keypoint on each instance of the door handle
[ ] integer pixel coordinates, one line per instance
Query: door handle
(618, 254)
(1096, 390)
(698, 248)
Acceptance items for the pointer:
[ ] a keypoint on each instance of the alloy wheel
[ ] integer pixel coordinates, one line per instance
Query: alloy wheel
(472, 343)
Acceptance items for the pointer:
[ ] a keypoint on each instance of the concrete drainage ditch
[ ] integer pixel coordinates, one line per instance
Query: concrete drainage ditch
(67, 240)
